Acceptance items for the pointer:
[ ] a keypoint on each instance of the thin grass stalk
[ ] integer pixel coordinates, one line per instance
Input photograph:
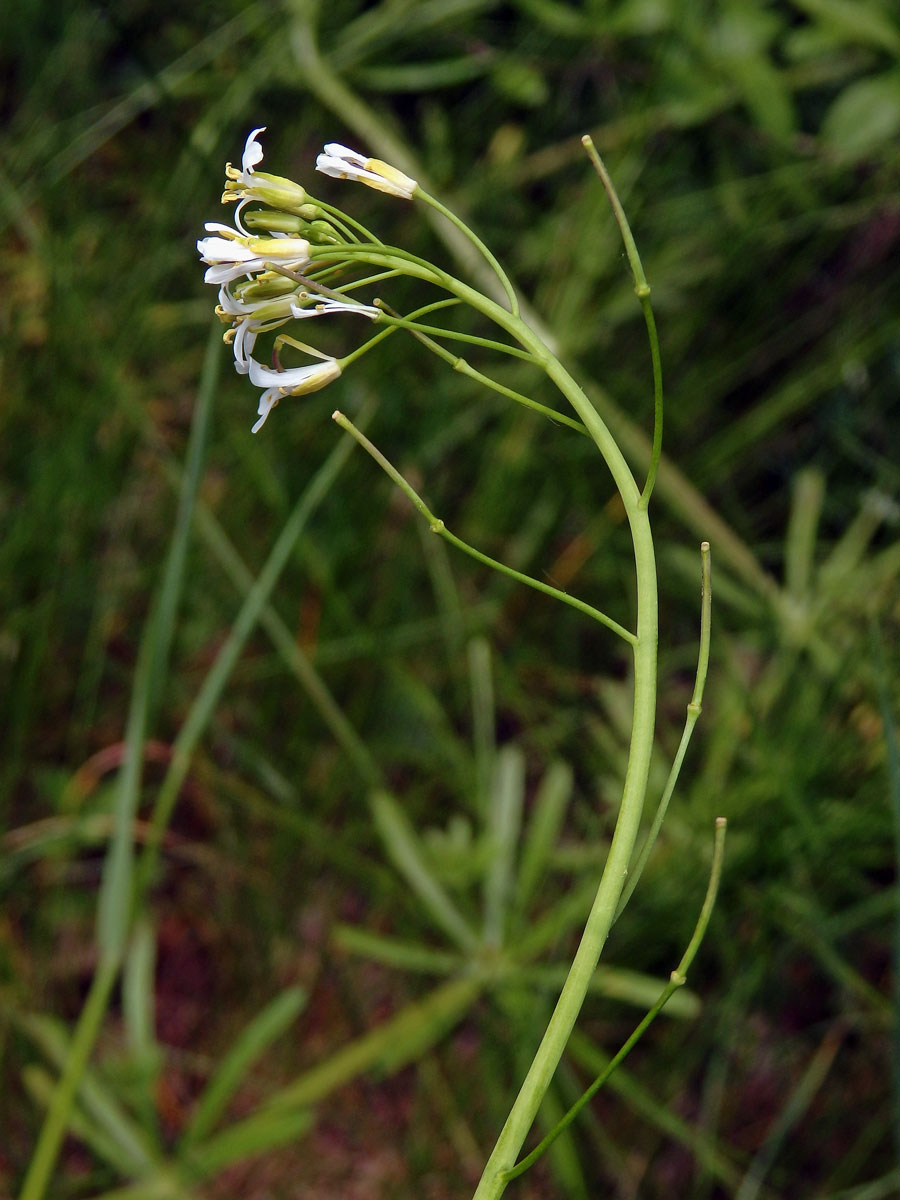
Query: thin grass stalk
(115, 905)
(204, 705)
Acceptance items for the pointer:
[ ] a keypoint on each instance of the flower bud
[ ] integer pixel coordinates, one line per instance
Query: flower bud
(342, 163)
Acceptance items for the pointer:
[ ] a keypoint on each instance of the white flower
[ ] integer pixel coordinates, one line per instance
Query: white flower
(250, 184)
(296, 381)
(249, 318)
(343, 163)
(244, 341)
(253, 151)
(253, 154)
(269, 308)
(322, 307)
(234, 307)
(234, 254)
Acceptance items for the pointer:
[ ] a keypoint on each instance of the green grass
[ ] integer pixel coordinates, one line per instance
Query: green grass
(291, 677)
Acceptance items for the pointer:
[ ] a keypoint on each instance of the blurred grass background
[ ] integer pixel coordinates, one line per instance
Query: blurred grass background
(755, 148)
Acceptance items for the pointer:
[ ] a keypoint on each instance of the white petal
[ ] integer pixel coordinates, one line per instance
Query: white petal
(231, 304)
(314, 310)
(331, 165)
(336, 150)
(361, 310)
(323, 307)
(284, 380)
(370, 171)
(235, 307)
(223, 250)
(244, 341)
(228, 272)
(237, 217)
(253, 152)
(267, 402)
(296, 381)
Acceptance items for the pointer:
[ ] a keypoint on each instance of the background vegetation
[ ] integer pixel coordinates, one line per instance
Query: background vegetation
(755, 148)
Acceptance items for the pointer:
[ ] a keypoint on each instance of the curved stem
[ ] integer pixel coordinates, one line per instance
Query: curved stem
(477, 243)
(464, 368)
(562, 1021)
(677, 979)
(383, 334)
(409, 264)
(524, 1110)
(452, 335)
(339, 218)
(694, 708)
(642, 291)
(370, 126)
(437, 526)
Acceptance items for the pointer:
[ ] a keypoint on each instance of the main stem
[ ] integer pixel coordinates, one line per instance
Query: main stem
(522, 1115)
(521, 1118)
(553, 1043)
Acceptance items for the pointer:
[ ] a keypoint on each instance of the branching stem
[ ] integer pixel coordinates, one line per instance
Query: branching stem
(437, 526)
(677, 979)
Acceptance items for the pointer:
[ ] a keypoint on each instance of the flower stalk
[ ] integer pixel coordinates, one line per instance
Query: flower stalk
(288, 274)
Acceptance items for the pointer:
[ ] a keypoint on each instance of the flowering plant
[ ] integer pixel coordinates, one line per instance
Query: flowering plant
(290, 257)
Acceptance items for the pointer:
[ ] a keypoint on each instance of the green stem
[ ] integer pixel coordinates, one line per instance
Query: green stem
(437, 526)
(677, 979)
(478, 243)
(524, 1110)
(383, 334)
(642, 291)
(368, 281)
(375, 130)
(522, 1115)
(562, 1021)
(464, 368)
(410, 264)
(451, 335)
(341, 219)
(606, 901)
(694, 708)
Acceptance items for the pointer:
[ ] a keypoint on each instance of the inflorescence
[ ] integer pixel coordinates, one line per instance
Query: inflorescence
(270, 267)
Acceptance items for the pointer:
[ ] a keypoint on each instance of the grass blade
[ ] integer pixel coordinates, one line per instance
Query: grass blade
(542, 832)
(506, 800)
(794, 1109)
(407, 956)
(400, 1040)
(99, 1107)
(247, 1139)
(406, 852)
(267, 1027)
(213, 685)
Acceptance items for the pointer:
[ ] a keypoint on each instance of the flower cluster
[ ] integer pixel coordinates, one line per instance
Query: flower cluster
(268, 267)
